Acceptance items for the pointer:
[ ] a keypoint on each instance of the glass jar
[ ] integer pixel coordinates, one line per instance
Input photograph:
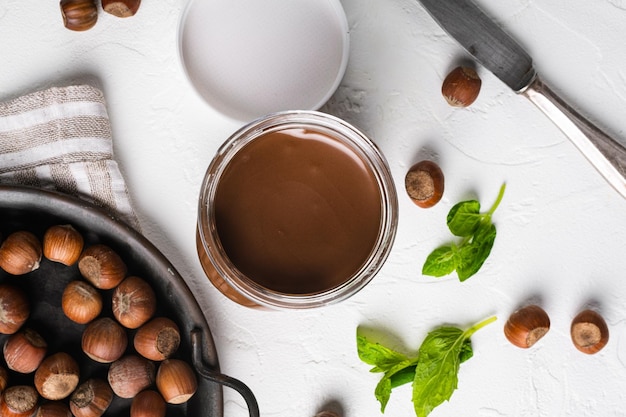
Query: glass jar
(297, 210)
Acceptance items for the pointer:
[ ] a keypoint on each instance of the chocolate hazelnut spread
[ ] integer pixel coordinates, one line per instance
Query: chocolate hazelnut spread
(297, 211)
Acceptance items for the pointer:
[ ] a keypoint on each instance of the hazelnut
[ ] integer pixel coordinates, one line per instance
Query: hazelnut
(18, 401)
(20, 253)
(81, 302)
(102, 267)
(148, 404)
(589, 332)
(526, 326)
(4, 378)
(134, 302)
(158, 339)
(63, 244)
(53, 409)
(121, 8)
(104, 340)
(79, 15)
(91, 399)
(57, 376)
(24, 351)
(130, 375)
(176, 381)
(461, 87)
(14, 308)
(424, 183)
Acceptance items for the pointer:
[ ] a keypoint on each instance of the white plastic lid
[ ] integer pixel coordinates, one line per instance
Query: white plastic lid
(249, 58)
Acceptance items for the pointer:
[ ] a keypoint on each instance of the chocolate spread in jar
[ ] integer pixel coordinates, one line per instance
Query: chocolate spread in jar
(297, 211)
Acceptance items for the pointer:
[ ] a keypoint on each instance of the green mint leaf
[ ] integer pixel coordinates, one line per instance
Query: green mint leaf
(384, 386)
(408, 374)
(436, 374)
(473, 254)
(385, 360)
(466, 351)
(464, 218)
(468, 256)
(402, 377)
(383, 393)
(441, 353)
(442, 261)
(381, 357)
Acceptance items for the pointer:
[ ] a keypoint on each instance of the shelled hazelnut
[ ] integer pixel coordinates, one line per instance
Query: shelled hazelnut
(18, 401)
(91, 399)
(158, 339)
(121, 8)
(104, 340)
(589, 332)
(526, 326)
(176, 381)
(63, 244)
(24, 351)
(148, 403)
(133, 302)
(20, 253)
(14, 308)
(130, 375)
(79, 15)
(57, 376)
(102, 267)
(81, 302)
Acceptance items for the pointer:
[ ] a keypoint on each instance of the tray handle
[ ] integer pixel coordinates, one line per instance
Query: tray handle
(211, 375)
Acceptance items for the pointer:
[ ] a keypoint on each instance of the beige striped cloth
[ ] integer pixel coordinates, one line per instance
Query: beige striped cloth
(60, 139)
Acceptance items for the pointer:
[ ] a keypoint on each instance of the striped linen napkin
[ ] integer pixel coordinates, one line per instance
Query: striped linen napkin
(60, 139)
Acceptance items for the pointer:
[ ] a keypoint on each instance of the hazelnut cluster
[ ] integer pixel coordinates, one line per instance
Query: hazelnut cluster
(81, 15)
(148, 374)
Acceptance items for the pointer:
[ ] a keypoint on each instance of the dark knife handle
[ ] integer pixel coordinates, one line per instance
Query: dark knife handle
(606, 154)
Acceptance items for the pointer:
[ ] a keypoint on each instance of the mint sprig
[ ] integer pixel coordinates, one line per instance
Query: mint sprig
(479, 234)
(433, 371)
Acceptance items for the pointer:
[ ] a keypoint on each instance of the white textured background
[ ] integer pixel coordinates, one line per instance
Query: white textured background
(561, 229)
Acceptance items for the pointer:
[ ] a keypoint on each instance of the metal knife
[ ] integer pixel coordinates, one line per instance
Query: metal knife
(500, 54)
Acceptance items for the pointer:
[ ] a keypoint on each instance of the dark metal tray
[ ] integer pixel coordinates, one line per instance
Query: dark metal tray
(23, 208)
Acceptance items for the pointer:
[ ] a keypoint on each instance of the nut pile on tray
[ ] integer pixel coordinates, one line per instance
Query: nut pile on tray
(131, 340)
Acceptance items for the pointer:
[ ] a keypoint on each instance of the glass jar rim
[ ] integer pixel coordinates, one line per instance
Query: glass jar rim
(346, 133)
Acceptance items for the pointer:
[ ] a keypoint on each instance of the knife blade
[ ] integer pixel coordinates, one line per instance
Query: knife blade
(494, 49)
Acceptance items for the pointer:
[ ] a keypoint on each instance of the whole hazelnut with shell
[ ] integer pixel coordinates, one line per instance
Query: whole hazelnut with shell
(121, 8)
(81, 302)
(461, 86)
(102, 266)
(424, 183)
(133, 302)
(24, 351)
(63, 244)
(589, 331)
(57, 376)
(20, 253)
(14, 308)
(526, 326)
(79, 15)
